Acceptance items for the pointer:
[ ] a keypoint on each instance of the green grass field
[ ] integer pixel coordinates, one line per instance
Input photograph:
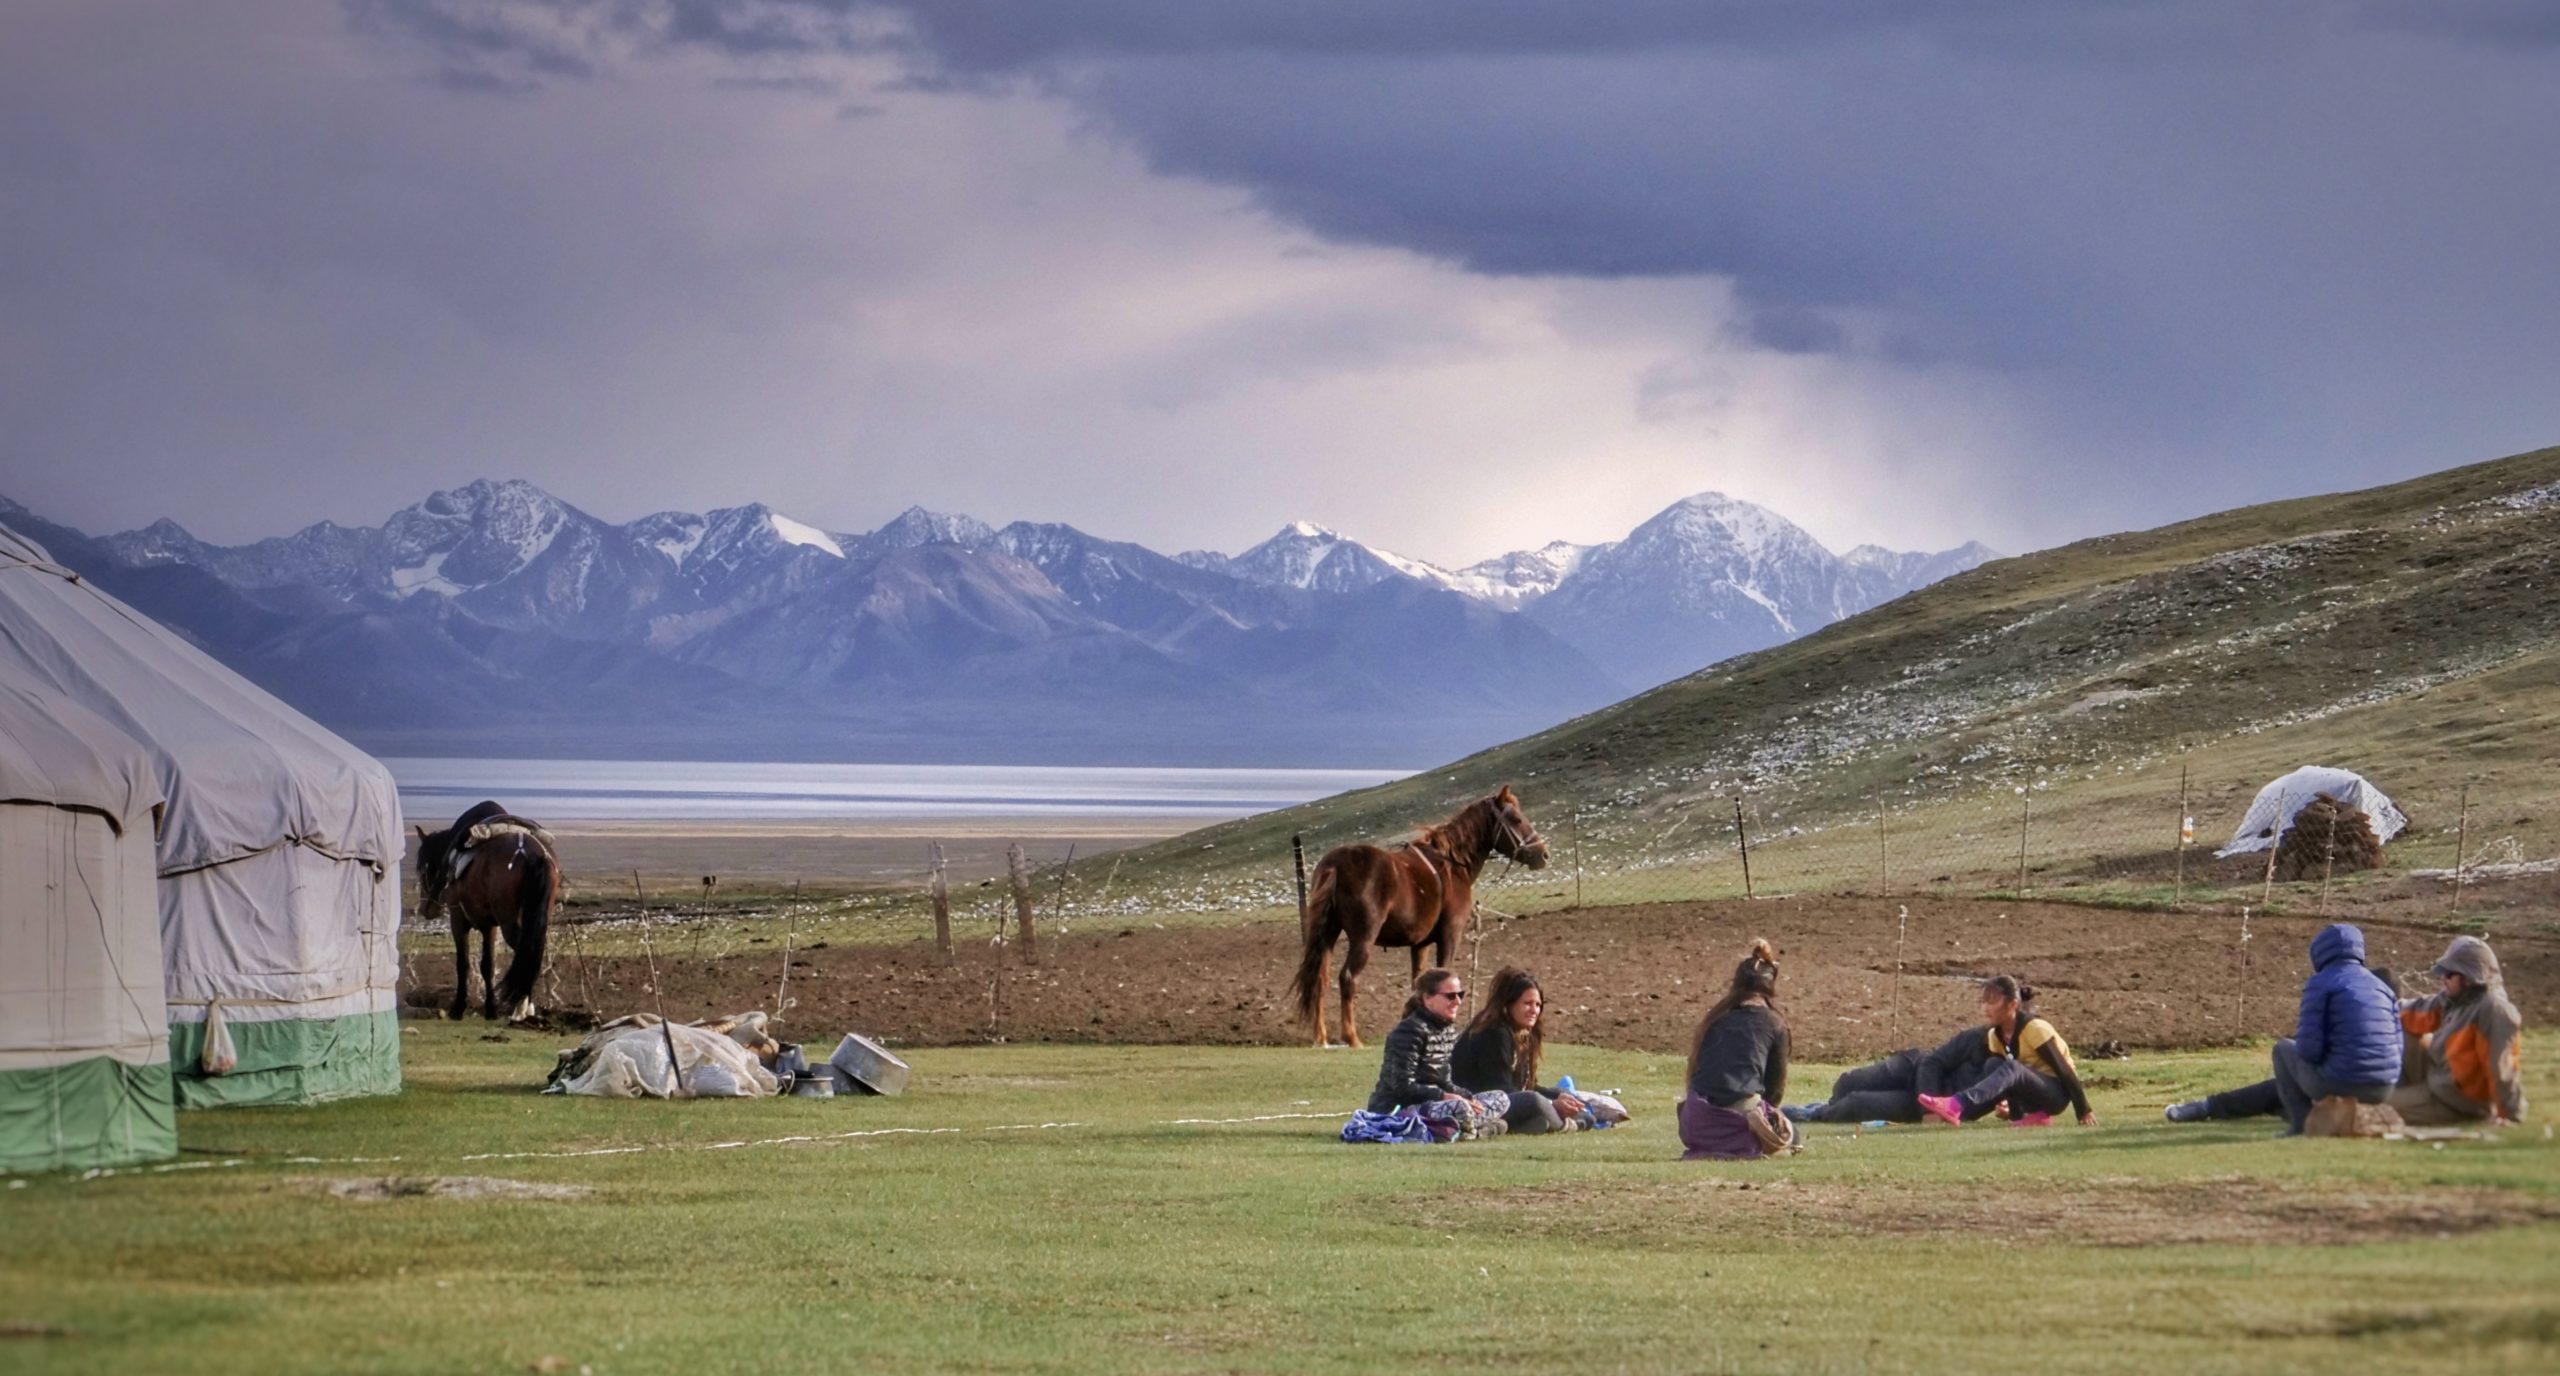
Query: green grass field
(1064, 1218)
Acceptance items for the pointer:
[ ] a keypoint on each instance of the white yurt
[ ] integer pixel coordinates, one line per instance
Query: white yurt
(84, 1035)
(279, 849)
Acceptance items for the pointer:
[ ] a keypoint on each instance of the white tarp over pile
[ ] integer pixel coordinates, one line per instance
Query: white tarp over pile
(2276, 804)
(279, 850)
(627, 1059)
(84, 1033)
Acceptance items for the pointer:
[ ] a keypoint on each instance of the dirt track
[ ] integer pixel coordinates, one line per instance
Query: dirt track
(1634, 977)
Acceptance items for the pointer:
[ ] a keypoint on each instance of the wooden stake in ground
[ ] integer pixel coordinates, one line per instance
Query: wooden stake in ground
(1577, 857)
(1883, 884)
(1298, 859)
(2186, 835)
(2022, 841)
(2461, 847)
(942, 910)
(2242, 1015)
(658, 999)
(1058, 900)
(2328, 861)
(638, 894)
(1019, 871)
(1742, 838)
(1901, 934)
(2267, 889)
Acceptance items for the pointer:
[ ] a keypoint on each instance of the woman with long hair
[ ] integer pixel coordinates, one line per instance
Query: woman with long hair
(1738, 1070)
(2030, 1068)
(1501, 1048)
(1414, 1072)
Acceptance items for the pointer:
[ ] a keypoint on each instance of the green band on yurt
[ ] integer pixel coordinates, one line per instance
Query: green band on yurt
(96, 1112)
(291, 1061)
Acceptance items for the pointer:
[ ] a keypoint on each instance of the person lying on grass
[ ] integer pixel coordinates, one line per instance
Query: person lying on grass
(2345, 1043)
(1500, 1051)
(2465, 1062)
(2030, 1065)
(1889, 1090)
(1738, 1070)
(1414, 1073)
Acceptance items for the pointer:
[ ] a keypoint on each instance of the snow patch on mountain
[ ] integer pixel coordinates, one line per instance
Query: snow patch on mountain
(426, 577)
(792, 532)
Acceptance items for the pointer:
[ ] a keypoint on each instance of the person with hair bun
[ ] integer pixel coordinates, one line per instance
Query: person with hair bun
(2030, 1067)
(1738, 1070)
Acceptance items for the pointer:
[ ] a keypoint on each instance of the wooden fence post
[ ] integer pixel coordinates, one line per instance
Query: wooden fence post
(2022, 843)
(2186, 834)
(1742, 837)
(1019, 871)
(1884, 881)
(1298, 859)
(942, 909)
(1577, 857)
(2461, 848)
(2328, 862)
(1058, 900)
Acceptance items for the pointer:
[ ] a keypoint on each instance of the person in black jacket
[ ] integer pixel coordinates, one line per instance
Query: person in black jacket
(1889, 1090)
(1501, 1048)
(1738, 1071)
(1415, 1069)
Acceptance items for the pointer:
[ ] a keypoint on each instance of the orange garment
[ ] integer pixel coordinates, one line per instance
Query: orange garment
(2473, 1050)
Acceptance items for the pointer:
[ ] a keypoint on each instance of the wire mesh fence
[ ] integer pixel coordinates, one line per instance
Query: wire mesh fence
(2147, 843)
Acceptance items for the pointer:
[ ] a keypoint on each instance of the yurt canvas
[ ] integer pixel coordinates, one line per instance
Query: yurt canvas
(279, 854)
(84, 1035)
(2273, 809)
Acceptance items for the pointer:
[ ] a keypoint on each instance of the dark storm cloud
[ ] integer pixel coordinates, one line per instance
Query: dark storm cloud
(2004, 268)
(2147, 204)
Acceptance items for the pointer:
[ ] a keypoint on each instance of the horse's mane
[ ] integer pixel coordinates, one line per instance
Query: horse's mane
(1463, 833)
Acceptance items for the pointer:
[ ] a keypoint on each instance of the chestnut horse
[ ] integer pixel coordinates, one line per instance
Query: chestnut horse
(1421, 893)
(494, 874)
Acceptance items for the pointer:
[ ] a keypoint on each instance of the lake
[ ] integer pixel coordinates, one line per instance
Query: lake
(650, 790)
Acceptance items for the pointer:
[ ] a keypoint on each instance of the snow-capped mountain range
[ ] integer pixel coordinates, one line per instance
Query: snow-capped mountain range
(496, 611)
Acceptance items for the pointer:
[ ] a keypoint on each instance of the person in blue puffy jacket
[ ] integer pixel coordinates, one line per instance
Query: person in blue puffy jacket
(2346, 1042)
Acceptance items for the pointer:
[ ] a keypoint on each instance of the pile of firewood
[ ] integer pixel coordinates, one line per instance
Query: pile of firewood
(2327, 837)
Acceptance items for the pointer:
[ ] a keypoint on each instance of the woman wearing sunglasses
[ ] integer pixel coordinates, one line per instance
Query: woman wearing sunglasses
(1415, 1071)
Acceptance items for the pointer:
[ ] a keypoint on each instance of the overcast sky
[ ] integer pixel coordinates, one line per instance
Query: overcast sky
(1453, 277)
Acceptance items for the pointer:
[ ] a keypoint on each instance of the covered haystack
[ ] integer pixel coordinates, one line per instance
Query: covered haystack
(2272, 812)
(2328, 836)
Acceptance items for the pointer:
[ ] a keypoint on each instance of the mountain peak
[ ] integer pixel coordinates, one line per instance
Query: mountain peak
(918, 526)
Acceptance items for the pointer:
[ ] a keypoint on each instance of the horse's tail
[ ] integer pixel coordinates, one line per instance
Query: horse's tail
(1318, 929)
(535, 893)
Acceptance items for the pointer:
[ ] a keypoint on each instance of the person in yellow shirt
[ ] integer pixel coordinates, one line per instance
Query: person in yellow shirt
(2030, 1068)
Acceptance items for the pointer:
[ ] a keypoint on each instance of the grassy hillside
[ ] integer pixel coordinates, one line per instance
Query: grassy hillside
(2406, 631)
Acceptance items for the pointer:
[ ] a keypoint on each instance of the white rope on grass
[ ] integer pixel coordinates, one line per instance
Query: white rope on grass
(644, 1148)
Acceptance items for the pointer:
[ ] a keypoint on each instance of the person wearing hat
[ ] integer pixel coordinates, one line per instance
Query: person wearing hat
(2466, 1054)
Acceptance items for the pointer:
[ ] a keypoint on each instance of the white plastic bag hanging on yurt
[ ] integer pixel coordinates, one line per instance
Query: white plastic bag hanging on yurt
(219, 1054)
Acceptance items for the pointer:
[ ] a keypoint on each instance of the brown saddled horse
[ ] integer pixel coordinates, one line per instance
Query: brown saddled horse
(1421, 893)
(494, 874)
